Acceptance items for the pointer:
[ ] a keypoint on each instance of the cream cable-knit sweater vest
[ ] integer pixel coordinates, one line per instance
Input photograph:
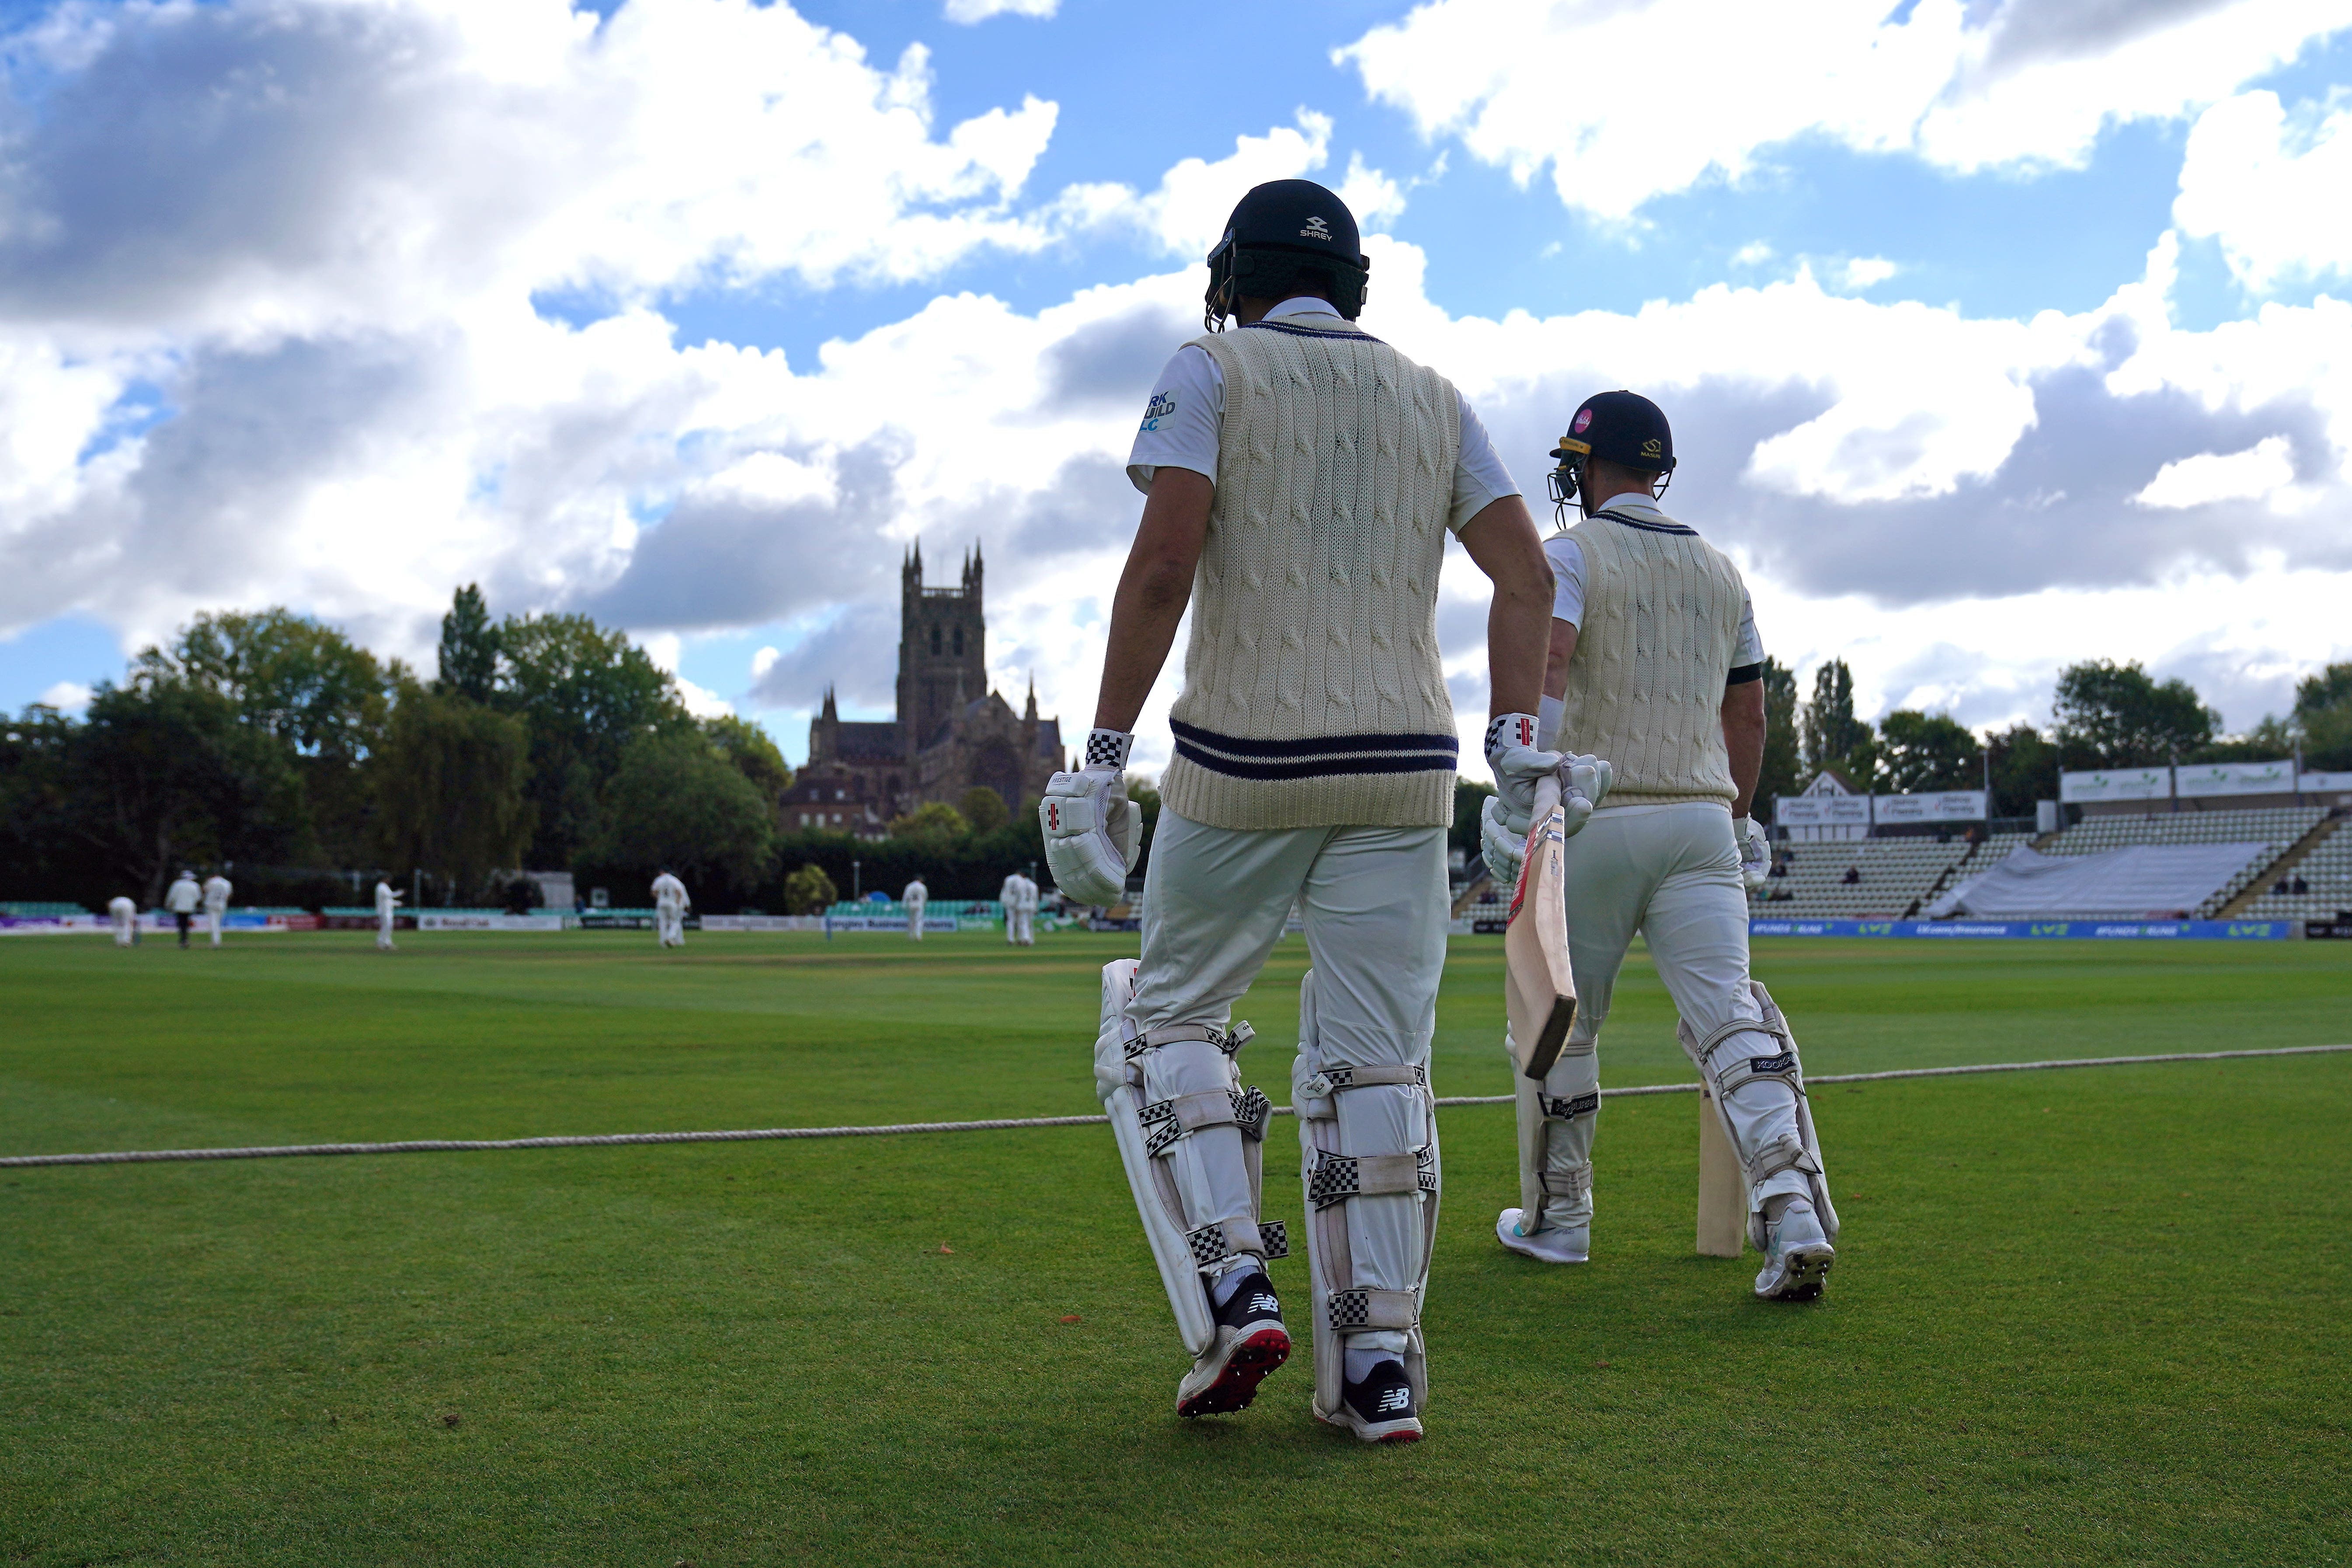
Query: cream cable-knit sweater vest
(1662, 612)
(1313, 693)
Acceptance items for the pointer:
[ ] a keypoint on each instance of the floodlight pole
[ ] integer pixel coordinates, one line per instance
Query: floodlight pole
(855, 890)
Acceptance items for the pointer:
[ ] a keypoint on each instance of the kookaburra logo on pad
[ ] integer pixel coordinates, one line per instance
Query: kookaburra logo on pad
(1315, 229)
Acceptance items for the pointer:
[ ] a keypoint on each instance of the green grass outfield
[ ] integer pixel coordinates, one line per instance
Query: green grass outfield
(2095, 1316)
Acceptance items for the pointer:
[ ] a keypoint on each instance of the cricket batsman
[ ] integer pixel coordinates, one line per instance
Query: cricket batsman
(669, 910)
(184, 898)
(1027, 912)
(913, 898)
(1301, 480)
(125, 916)
(217, 888)
(1655, 664)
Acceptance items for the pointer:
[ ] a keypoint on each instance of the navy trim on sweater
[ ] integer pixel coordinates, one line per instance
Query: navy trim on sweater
(1646, 527)
(1317, 757)
(1355, 332)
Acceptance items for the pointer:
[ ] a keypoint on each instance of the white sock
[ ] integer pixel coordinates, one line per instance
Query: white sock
(1360, 1362)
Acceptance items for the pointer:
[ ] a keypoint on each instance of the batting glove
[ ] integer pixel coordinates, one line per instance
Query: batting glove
(1092, 830)
(1502, 849)
(1518, 763)
(1755, 853)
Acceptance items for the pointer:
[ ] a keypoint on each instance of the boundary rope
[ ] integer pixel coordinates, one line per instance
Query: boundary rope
(770, 1134)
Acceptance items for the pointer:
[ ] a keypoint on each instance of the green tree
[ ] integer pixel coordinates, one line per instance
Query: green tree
(1926, 751)
(589, 694)
(452, 788)
(469, 647)
(1829, 734)
(2024, 770)
(2115, 715)
(2323, 718)
(1782, 771)
(983, 809)
(324, 698)
(933, 822)
(165, 773)
(676, 803)
(1469, 802)
(753, 753)
(809, 891)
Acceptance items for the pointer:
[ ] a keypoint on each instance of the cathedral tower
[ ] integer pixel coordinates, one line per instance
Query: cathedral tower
(942, 647)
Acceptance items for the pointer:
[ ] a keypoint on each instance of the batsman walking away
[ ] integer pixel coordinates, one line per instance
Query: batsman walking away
(1655, 664)
(1302, 478)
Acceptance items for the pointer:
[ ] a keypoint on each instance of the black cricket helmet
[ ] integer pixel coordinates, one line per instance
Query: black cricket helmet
(1621, 427)
(1279, 229)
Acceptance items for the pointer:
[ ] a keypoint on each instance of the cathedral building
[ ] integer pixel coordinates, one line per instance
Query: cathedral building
(953, 733)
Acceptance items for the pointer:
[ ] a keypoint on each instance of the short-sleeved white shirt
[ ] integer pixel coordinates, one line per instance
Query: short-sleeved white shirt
(1568, 581)
(1188, 402)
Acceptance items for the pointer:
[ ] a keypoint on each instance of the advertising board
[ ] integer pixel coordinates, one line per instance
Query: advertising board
(1965, 931)
(1941, 805)
(1820, 810)
(2235, 778)
(2114, 783)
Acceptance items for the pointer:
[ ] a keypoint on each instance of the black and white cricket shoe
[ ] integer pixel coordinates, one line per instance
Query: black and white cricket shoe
(1381, 1409)
(1251, 1341)
(1796, 1256)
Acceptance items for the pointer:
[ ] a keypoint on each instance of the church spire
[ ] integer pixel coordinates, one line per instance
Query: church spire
(1031, 713)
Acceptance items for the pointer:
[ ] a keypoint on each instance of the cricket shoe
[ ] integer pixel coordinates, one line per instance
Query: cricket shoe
(1796, 1256)
(1250, 1342)
(1381, 1409)
(1554, 1244)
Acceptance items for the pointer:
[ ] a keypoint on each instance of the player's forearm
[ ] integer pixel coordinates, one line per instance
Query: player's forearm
(1743, 737)
(1144, 620)
(1153, 590)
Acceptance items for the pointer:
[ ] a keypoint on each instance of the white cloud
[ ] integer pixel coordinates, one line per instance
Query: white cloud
(1755, 253)
(2209, 477)
(1964, 85)
(2273, 188)
(701, 702)
(1188, 211)
(1371, 195)
(68, 696)
(1868, 272)
(763, 661)
(971, 11)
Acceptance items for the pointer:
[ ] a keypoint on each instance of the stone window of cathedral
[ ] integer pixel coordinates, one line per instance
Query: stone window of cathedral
(935, 640)
(959, 642)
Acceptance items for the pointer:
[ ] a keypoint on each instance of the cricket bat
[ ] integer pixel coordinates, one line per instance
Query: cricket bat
(1538, 988)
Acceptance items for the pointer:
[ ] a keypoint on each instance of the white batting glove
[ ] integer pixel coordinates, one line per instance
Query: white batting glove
(1092, 830)
(1501, 848)
(1755, 853)
(1518, 763)
(1584, 781)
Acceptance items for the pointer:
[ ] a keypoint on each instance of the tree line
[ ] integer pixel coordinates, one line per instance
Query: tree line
(2104, 715)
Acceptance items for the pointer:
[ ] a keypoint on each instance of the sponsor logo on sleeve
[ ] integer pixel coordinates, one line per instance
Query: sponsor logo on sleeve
(1162, 404)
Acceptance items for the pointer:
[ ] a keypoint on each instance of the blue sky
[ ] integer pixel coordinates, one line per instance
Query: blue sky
(2004, 335)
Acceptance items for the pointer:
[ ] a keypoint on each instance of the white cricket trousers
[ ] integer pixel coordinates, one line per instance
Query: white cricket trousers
(383, 931)
(1671, 872)
(1215, 901)
(212, 924)
(670, 926)
(915, 921)
(1028, 921)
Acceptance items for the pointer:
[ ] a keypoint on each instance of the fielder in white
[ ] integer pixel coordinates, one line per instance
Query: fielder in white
(125, 916)
(1027, 912)
(216, 892)
(183, 899)
(915, 897)
(669, 910)
(1655, 664)
(1008, 898)
(1302, 478)
(387, 900)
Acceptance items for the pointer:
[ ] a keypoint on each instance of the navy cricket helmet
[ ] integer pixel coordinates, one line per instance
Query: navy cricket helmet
(1279, 230)
(1621, 427)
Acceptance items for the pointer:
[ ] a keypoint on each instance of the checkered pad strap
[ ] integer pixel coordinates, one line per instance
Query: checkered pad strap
(1228, 1041)
(1335, 1178)
(1567, 1108)
(1215, 1243)
(1351, 1311)
(1165, 1121)
(1107, 748)
(1331, 1080)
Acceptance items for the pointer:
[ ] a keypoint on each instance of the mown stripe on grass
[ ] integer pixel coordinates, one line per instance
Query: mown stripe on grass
(763, 1134)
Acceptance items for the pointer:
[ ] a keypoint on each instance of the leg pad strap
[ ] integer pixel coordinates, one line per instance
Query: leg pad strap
(1362, 1308)
(1227, 1041)
(1335, 1178)
(1321, 1084)
(1786, 1152)
(1221, 1239)
(1567, 1108)
(1166, 1121)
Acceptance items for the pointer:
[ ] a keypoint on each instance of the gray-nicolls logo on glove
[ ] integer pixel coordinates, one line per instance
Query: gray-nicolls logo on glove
(1092, 831)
